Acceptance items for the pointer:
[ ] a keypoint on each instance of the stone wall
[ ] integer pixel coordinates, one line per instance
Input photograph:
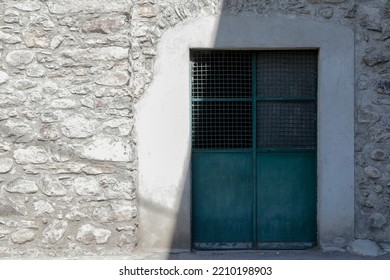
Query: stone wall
(70, 73)
(67, 154)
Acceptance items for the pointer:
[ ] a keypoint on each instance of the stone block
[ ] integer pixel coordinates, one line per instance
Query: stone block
(9, 208)
(54, 232)
(28, 6)
(364, 247)
(6, 165)
(23, 236)
(9, 38)
(42, 207)
(113, 79)
(22, 186)
(372, 172)
(53, 187)
(78, 126)
(86, 186)
(108, 149)
(31, 155)
(88, 234)
(3, 77)
(104, 25)
(20, 58)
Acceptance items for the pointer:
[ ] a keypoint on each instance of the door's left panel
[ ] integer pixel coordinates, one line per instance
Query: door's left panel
(222, 150)
(222, 200)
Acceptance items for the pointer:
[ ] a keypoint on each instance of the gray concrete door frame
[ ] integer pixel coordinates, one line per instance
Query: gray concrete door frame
(163, 122)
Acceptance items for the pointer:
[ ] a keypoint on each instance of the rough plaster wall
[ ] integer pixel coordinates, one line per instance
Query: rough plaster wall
(70, 72)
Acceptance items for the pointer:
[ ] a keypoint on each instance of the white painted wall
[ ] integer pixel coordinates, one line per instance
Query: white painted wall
(163, 122)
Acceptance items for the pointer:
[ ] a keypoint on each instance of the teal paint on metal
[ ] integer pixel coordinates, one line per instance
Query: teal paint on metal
(286, 199)
(249, 191)
(222, 203)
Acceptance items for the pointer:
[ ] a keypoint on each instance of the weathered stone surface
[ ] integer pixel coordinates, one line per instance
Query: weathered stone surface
(117, 190)
(118, 212)
(54, 232)
(368, 115)
(42, 207)
(56, 41)
(41, 21)
(19, 132)
(77, 126)
(9, 38)
(75, 216)
(53, 188)
(351, 11)
(3, 77)
(20, 58)
(57, 9)
(105, 54)
(378, 154)
(146, 11)
(86, 186)
(21, 185)
(373, 59)
(28, 6)
(88, 234)
(11, 208)
(62, 152)
(10, 101)
(108, 149)
(383, 87)
(124, 211)
(113, 79)
(372, 172)
(25, 84)
(33, 154)
(104, 25)
(36, 39)
(103, 214)
(363, 247)
(96, 169)
(326, 1)
(326, 12)
(6, 165)
(83, 90)
(11, 16)
(49, 117)
(48, 133)
(124, 126)
(128, 238)
(92, 6)
(55, 168)
(386, 9)
(376, 221)
(23, 236)
(64, 103)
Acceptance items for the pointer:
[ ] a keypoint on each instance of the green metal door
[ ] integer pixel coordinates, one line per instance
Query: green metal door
(254, 149)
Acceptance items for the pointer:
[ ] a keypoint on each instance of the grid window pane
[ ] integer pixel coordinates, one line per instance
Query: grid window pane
(221, 74)
(286, 125)
(221, 125)
(287, 74)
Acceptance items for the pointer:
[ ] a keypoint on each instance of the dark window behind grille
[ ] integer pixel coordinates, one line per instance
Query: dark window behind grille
(286, 74)
(225, 77)
(221, 74)
(222, 125)
(286, 124)
(284, 100)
